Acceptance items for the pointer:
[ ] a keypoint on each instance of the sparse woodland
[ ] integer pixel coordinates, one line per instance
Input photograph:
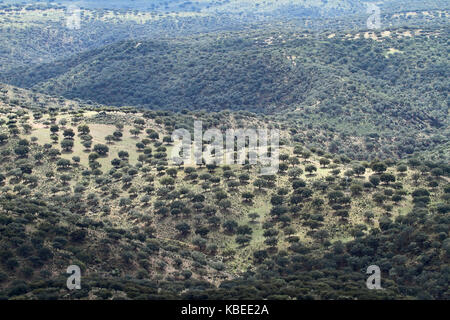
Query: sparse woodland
(80, 187)
(86, 176)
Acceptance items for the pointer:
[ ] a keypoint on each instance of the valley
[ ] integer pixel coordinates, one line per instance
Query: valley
(89, 157)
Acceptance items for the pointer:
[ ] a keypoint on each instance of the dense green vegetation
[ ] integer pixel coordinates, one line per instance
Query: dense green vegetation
(359, 97)
(36, 32)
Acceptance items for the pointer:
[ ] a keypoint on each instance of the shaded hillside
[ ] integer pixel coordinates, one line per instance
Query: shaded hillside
(36, 32)
(32, 34)
(355, 84)
(258, 73)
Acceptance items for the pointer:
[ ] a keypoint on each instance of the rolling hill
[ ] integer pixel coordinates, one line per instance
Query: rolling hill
(140, 227)
(328, 83)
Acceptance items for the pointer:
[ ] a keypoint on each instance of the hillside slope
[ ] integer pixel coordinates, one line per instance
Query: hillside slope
(328, 85)
(94, 187)
(251, 72)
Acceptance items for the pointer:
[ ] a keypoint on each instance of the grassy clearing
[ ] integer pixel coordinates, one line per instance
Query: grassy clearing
(98, 132)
